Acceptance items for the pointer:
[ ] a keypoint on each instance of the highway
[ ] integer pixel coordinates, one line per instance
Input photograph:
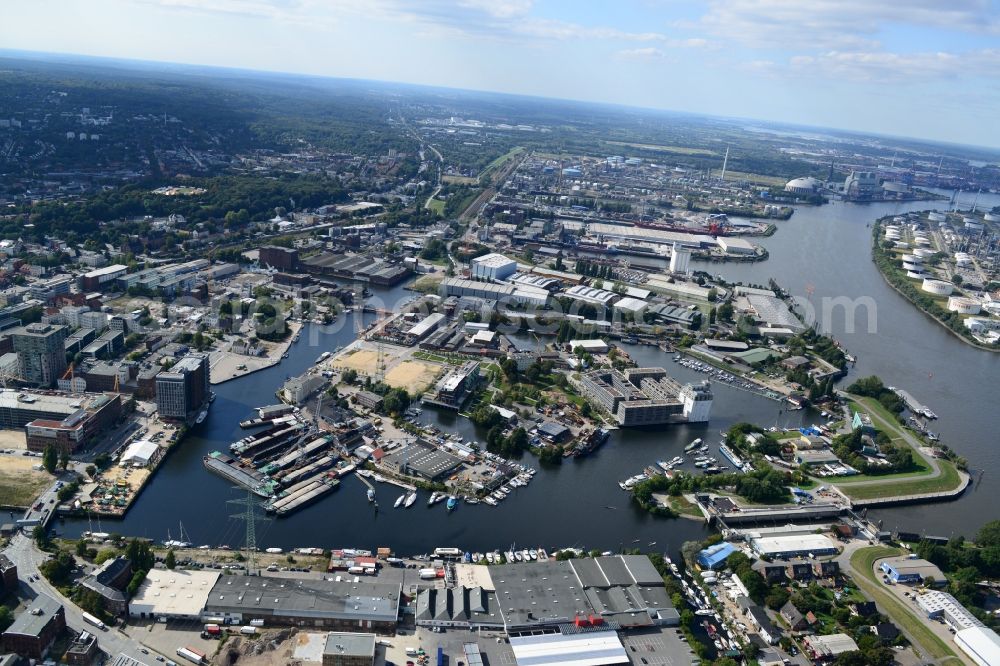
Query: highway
(23, 552)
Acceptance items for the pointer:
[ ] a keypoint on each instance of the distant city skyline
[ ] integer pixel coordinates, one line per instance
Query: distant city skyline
(923, 69)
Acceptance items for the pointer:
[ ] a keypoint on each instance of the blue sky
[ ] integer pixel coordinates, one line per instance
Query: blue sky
(922, 68)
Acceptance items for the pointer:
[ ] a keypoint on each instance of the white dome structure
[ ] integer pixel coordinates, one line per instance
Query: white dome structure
(805, 185)
(964, 305)
(937, 287)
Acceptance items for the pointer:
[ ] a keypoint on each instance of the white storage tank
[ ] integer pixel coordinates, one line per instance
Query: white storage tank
(937, 287)
(916, 275)
(923, 252)
(991, 217)
(973, 225)
(962, 259)
(935, 216)
(964, 305)
(912, 259)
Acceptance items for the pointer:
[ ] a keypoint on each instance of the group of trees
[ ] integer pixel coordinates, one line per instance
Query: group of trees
(762, 486)
(872, 387)
(848, 448)
(967, 564)
(594, 269)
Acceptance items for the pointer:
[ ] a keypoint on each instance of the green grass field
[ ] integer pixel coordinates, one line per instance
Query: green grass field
(436, 205)
(902, 483)
(495, 164)
(863, 562)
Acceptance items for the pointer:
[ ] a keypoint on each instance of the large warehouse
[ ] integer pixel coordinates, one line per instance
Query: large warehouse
(593, 648)
(174, 594)
(341, 605)
(798, 545)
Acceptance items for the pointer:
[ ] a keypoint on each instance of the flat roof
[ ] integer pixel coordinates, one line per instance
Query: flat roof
(290, 597)
(793, 543)
(493, 260)
(594, 648)
(173, 592)
(980, 643)
(107, 270)
(355, 645)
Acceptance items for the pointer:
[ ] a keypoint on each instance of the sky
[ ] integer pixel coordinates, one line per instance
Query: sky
(927, 69)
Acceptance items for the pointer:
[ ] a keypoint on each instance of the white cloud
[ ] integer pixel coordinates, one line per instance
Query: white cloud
(884, 67)
(647, 53)
(838, 24)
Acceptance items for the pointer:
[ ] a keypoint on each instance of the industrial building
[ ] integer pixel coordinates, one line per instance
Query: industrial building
(942, 605)
(735, 246)
(714, 557)
(494, 292)
(462, 607)
(620, 591)
(911, 570)
(590, 295)
(183, 390)
(680, 259)
(424, 327)
(796, 545)
(646, 396)
(591, 346)
(419, 460)
(492, 267)
(591, 648)
(108, 581)
(827, 648)
(982, 644)
(283, 258)
(174, 594)
(341, 605)
(773, 312)
(349, 649)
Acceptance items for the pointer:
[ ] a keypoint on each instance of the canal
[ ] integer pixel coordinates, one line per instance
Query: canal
(821, 252)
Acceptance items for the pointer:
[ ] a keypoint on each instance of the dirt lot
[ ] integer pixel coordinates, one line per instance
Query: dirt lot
(364, 361)
(13, 439)
(414, 376)
(19, 483)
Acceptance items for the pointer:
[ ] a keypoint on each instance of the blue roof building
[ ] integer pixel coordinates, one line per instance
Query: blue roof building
(715, 556)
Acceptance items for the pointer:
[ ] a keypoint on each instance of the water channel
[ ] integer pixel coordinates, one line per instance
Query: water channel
(821, 252)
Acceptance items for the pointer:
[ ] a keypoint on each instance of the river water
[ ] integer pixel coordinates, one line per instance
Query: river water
(821, 252)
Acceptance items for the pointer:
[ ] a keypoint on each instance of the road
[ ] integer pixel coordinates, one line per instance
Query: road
(873, 591)
(23, 552)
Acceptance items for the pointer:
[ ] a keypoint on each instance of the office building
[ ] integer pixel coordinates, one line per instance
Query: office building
(67, 421)
(646, 396)
(41, 352)
(183, 390)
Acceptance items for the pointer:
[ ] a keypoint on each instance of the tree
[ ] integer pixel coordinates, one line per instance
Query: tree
(91, 470)
(50, 458)
(6, 618)
(171, 560)
(40, 536)
(63, 459)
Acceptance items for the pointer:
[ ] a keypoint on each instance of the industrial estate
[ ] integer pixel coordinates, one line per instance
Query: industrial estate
(406, 323)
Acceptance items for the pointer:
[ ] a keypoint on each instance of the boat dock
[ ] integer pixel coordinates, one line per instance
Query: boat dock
(913, 405)
(303, 493)
(364, 473)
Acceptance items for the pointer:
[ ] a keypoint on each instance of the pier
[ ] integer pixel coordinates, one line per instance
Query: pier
(913, 404)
